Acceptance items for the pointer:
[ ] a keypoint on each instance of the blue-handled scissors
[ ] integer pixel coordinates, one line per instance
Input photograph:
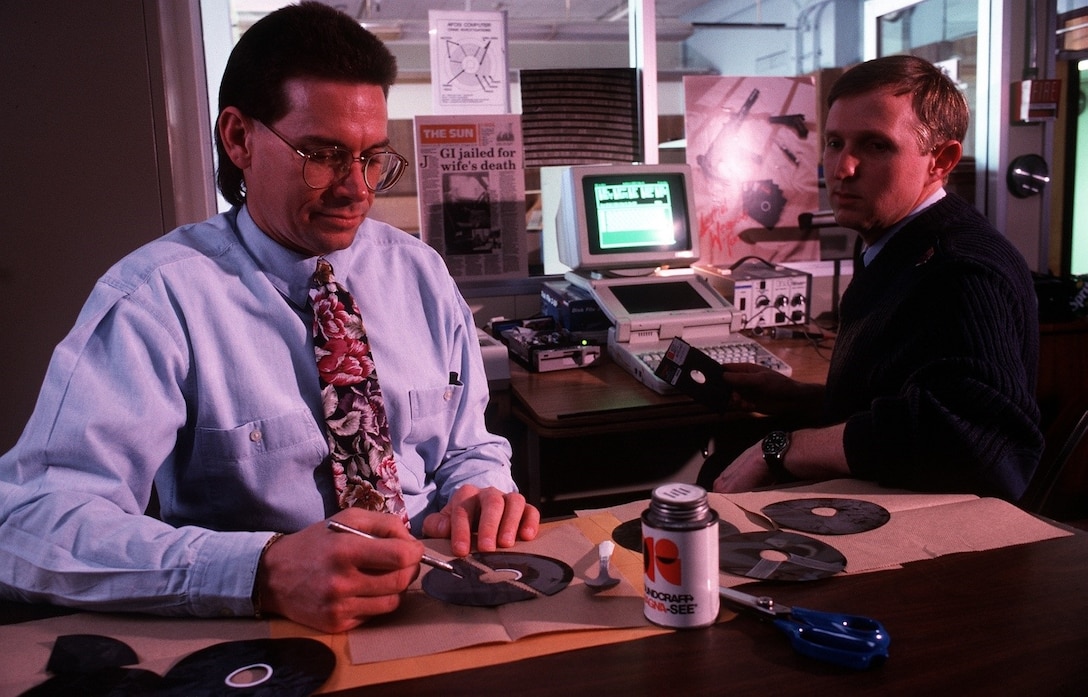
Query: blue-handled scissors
(846, 640)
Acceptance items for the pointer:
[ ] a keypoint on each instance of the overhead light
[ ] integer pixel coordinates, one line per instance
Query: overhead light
(384, 30)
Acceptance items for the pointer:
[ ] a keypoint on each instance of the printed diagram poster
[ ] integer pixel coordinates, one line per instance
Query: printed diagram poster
(469, 67)
(753, 149)
(471, 176)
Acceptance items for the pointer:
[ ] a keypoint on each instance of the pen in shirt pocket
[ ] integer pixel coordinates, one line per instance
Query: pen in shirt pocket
(455, 379)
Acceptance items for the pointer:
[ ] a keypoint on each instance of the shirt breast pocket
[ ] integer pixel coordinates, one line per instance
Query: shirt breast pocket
(250, 454)
(433, 411)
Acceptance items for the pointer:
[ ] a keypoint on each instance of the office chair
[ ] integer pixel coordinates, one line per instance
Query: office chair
(1059, 489)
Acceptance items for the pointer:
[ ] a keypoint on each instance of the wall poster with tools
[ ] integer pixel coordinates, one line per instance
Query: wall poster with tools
(754, 153)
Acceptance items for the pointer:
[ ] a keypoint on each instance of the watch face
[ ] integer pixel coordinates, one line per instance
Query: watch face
(775, 442)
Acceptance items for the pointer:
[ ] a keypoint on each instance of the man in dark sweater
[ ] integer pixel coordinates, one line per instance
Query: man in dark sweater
(932, 379)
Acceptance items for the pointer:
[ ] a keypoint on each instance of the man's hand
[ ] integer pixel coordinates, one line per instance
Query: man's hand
(500, 519)
(335, 582)
(759, 388)
(749, 471)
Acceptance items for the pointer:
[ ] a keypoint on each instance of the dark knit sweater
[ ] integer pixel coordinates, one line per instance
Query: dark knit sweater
(934, 367)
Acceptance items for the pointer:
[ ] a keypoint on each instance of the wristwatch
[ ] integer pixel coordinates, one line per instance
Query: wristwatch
(775, 445)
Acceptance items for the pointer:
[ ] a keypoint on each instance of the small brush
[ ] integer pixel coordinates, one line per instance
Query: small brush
(427, 559)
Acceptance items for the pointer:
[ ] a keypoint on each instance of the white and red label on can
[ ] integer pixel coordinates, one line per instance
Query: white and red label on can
(680, 575)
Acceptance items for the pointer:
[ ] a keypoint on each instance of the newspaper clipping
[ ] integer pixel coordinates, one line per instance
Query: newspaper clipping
(471, 178)
(468, 62)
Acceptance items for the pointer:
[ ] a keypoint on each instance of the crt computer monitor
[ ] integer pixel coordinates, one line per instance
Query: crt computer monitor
(613, 217)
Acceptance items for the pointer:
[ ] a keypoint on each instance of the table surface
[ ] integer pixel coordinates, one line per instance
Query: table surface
(606, 397)
(1010, 621)
(605, 402)
(1006, 621)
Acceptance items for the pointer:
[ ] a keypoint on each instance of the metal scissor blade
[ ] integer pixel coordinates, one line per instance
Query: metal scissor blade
(760, 603)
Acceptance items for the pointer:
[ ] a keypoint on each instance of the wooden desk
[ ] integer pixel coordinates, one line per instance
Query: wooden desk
(602, 414)
(1011, 621)
(1007, 621)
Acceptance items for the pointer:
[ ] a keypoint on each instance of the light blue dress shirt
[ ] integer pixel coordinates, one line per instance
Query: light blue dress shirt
(192, 366)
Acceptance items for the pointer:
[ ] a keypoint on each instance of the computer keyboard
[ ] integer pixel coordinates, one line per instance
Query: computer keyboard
(739, 350)
(642, 360)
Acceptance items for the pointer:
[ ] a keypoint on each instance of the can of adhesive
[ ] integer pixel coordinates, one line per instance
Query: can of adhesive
(680, 557)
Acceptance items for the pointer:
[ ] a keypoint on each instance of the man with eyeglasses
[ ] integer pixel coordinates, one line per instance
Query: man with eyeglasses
(192, 368)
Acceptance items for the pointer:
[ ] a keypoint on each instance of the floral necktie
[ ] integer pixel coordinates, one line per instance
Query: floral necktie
(363, 467)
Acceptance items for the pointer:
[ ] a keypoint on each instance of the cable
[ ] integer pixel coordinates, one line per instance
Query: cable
(751, 257)
(788, 333)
